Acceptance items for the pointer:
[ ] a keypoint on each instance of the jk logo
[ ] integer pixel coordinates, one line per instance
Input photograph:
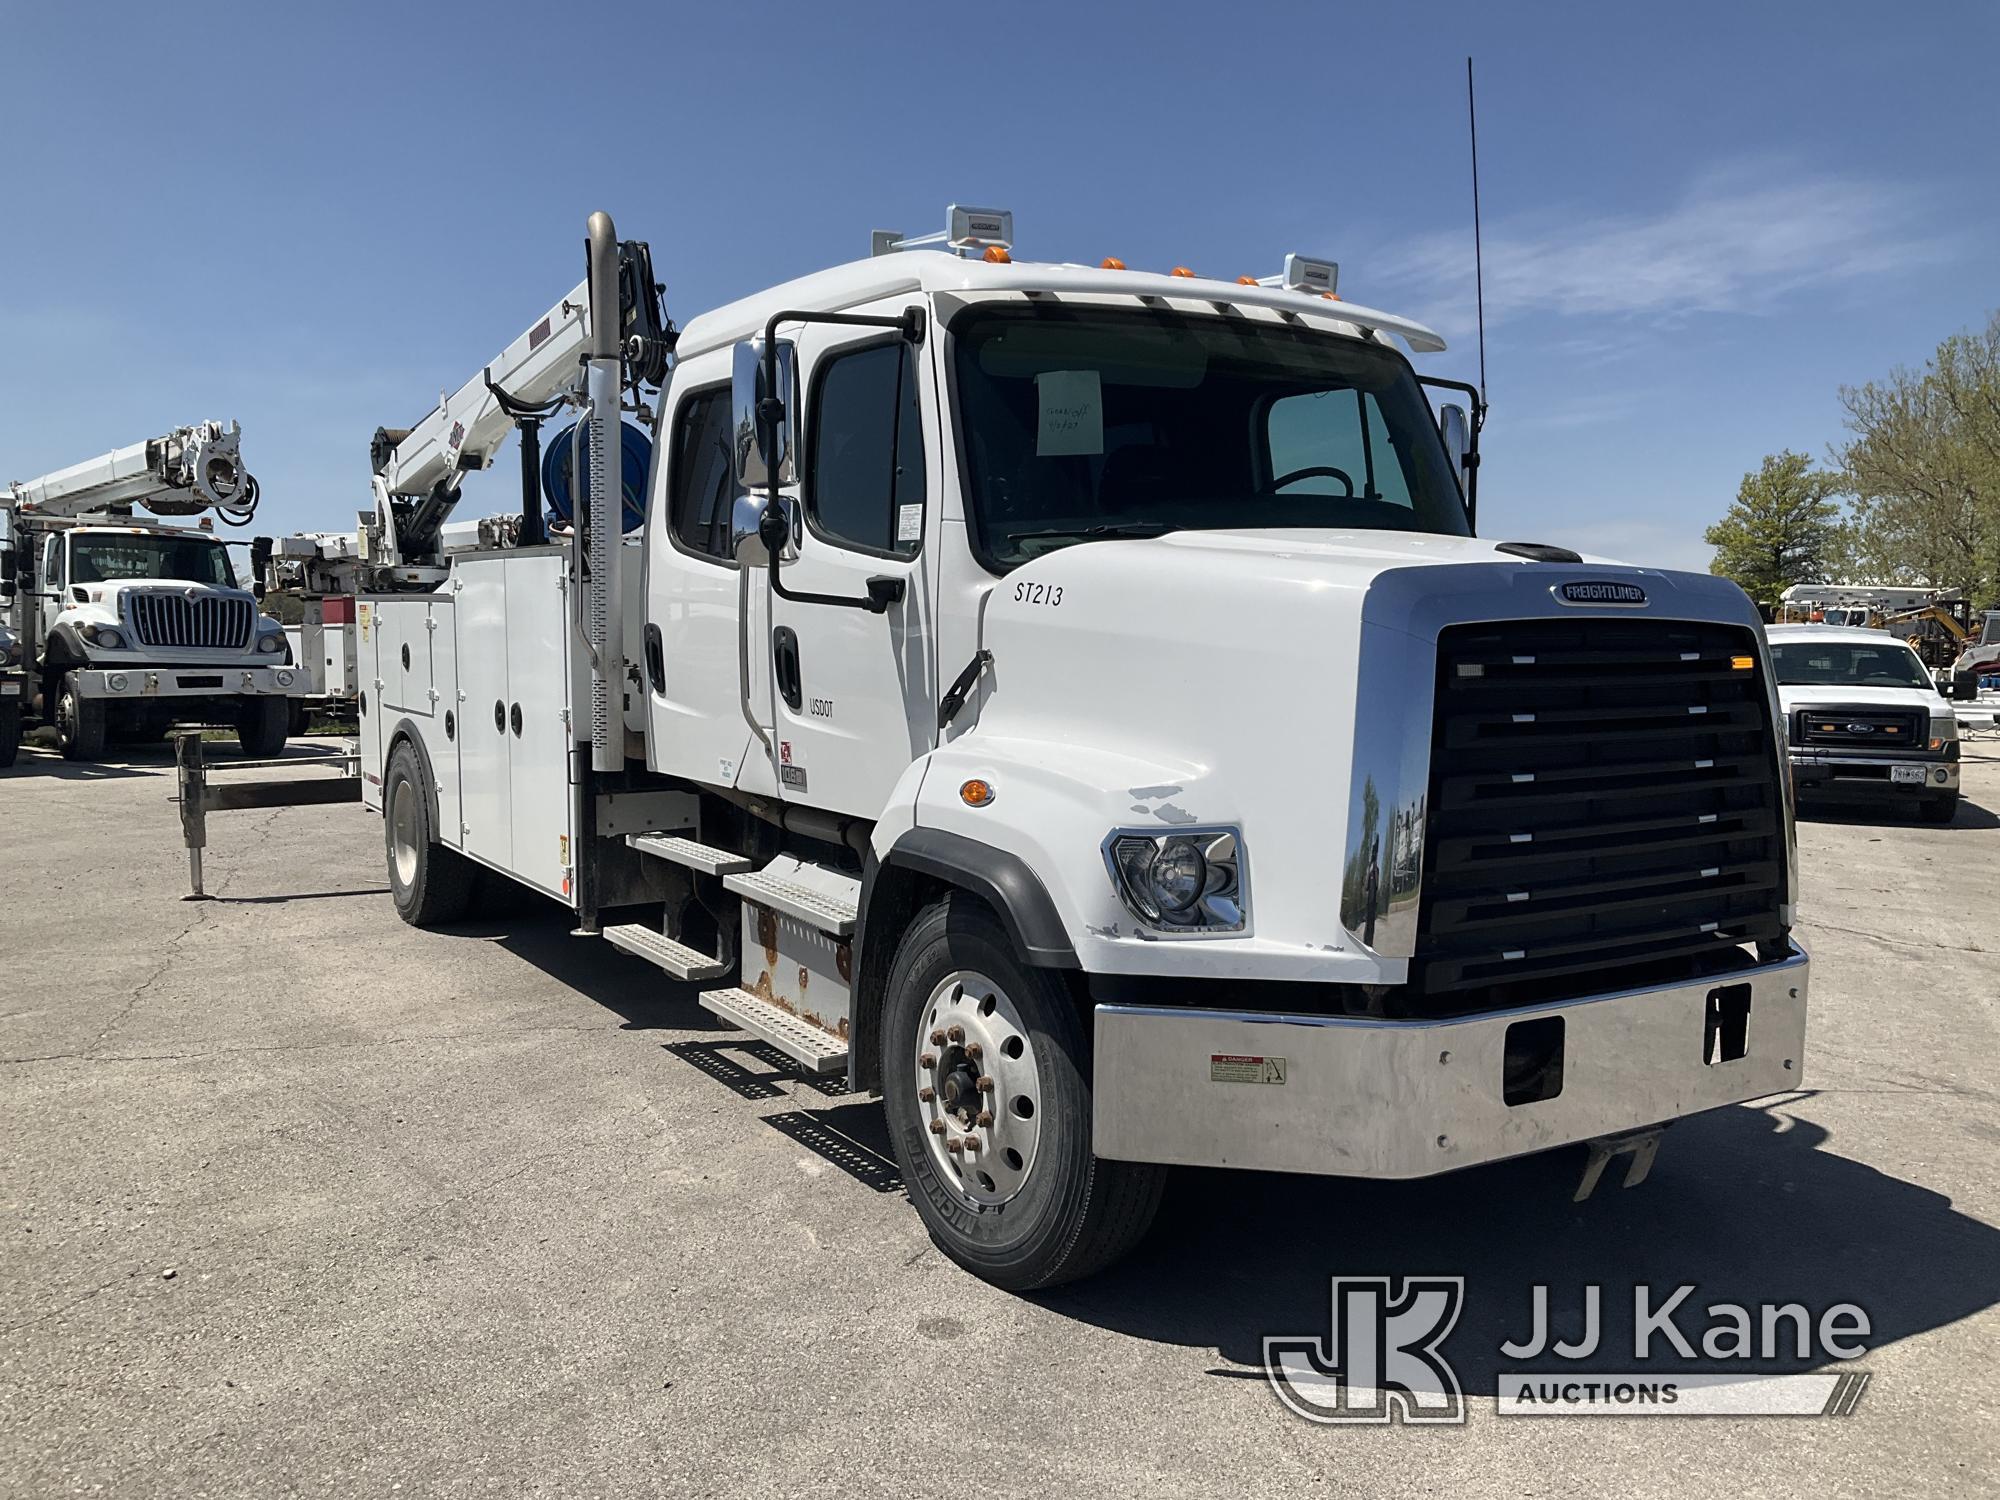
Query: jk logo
(1380, 1355)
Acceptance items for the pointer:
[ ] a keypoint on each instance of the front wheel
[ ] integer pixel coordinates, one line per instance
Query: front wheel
(261, 724)
(80, 722)
(986, 1083)
(1939, 809)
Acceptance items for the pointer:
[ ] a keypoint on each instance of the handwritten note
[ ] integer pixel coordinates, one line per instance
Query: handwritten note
(1072, 419)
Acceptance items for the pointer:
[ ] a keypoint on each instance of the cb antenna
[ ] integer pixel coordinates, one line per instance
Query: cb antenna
(1478, 258)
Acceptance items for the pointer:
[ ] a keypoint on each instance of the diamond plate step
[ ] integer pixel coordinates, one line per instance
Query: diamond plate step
(817, 1051)
(678, 959)
(684, 851)
(828, 913)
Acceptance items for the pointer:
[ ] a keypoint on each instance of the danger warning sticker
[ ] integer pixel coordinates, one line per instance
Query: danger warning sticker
(1225, 1067)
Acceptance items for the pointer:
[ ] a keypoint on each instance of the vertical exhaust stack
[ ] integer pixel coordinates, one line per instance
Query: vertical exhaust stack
(604, 618)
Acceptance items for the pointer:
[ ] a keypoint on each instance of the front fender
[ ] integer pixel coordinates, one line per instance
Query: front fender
(1052, 807)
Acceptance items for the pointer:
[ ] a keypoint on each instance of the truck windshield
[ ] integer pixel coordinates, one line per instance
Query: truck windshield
(107, 557)
(1839, 664)
(1083, 423)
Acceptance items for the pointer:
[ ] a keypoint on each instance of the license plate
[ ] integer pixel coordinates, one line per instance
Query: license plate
(10, 689)
(1907, 775)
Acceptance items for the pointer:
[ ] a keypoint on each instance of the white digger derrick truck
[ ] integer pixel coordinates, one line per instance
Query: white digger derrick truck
(1074, 703)
(113, 624)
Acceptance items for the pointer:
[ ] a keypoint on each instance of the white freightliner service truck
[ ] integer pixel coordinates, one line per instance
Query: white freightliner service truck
(1074, 702)
(127, 626)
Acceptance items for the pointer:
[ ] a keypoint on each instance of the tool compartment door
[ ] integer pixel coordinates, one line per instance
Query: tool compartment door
(485, 743)
(541, 742)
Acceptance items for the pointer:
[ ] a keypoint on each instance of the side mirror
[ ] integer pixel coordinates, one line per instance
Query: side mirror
(762, 448)
(6, 585)
(257, 590)
(1456, 430)
(760, 527)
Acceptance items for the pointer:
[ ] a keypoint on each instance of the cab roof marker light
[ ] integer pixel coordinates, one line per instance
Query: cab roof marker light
(1304, 274)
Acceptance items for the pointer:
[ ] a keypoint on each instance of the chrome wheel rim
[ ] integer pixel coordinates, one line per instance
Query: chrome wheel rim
(403, 833)
(979, 1091)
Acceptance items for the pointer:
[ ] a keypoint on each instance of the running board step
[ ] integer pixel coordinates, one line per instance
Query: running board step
(815, 1050)
(823, 899)
(678, 959)
(685, 851)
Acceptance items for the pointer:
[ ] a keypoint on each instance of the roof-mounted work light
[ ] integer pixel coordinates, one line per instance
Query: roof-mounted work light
(1303, 274)
(968, 231)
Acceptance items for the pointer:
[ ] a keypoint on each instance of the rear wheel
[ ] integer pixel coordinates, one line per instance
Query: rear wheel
(430, 883)
(986, 1084)
(260, 726)
(79, 722)
(10, 730)
(1939, 809)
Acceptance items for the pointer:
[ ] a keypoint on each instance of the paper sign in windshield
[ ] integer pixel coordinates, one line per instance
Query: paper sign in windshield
(1072, 419)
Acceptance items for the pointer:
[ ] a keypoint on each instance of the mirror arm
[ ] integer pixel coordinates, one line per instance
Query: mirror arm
(911, 324)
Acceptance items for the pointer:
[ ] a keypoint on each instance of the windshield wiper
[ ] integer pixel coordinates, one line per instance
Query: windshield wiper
(1093, 533)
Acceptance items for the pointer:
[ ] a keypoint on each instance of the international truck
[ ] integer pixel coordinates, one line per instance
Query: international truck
(1074, 702)
(125, 626)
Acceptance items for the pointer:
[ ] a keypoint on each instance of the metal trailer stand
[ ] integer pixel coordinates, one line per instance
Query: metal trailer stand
(198, 797)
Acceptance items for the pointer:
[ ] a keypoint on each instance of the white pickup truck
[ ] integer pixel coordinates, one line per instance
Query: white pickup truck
(1864, 721)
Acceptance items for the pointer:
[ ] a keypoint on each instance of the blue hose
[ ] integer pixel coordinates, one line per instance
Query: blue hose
(636, 457)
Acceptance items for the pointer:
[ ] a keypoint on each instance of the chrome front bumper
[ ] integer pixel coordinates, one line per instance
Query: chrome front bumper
(192, 682)
(1349, 1097)
(1819, 771)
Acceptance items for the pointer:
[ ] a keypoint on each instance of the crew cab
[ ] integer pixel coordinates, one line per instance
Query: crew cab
(1864, 722)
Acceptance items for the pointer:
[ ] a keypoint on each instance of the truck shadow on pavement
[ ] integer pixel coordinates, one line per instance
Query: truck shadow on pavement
(1970, 816)
(1746, 1203)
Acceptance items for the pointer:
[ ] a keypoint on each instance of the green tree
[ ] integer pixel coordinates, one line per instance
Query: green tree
(1924, 468)
(1783, 529)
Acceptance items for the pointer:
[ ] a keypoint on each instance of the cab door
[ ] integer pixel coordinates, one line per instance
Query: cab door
(854, 692)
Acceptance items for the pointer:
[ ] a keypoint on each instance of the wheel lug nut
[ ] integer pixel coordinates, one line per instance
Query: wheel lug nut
(937, 1127)
(985, 1084)
(927, 1093)
(972, 1143)
(957, 1033)
(927, 1060)
(937, 1037)
(974, 1051)
(954, 1146)
(986, 1117)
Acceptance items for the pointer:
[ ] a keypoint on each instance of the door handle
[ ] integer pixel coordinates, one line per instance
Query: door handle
(785, 658)
(656, 659)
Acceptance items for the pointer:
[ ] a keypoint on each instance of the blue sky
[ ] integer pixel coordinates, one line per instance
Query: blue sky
(1701, 219)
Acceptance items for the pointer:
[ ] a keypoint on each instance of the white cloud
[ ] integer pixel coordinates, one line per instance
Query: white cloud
(1736, 241)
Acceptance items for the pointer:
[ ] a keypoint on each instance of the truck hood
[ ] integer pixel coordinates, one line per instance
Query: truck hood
(112, 591)
(1824, 695)
(1260, 680)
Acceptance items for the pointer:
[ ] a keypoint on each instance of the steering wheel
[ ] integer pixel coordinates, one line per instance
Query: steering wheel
(1316, 471)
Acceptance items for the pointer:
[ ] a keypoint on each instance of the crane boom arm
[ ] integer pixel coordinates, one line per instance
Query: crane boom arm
(466, 429)
(181, 473)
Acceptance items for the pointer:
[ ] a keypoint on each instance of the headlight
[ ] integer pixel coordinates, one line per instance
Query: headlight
(275, 641)
(1943, 731)
(103, 636)
(1188, 881)
(10, 652)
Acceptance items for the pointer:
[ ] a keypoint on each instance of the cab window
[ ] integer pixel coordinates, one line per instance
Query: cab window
(865, 471)
(699, 498)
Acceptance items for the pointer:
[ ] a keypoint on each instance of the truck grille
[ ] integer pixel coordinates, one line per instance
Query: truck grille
(160, 618)
(1887, 729)
(1604, 810)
